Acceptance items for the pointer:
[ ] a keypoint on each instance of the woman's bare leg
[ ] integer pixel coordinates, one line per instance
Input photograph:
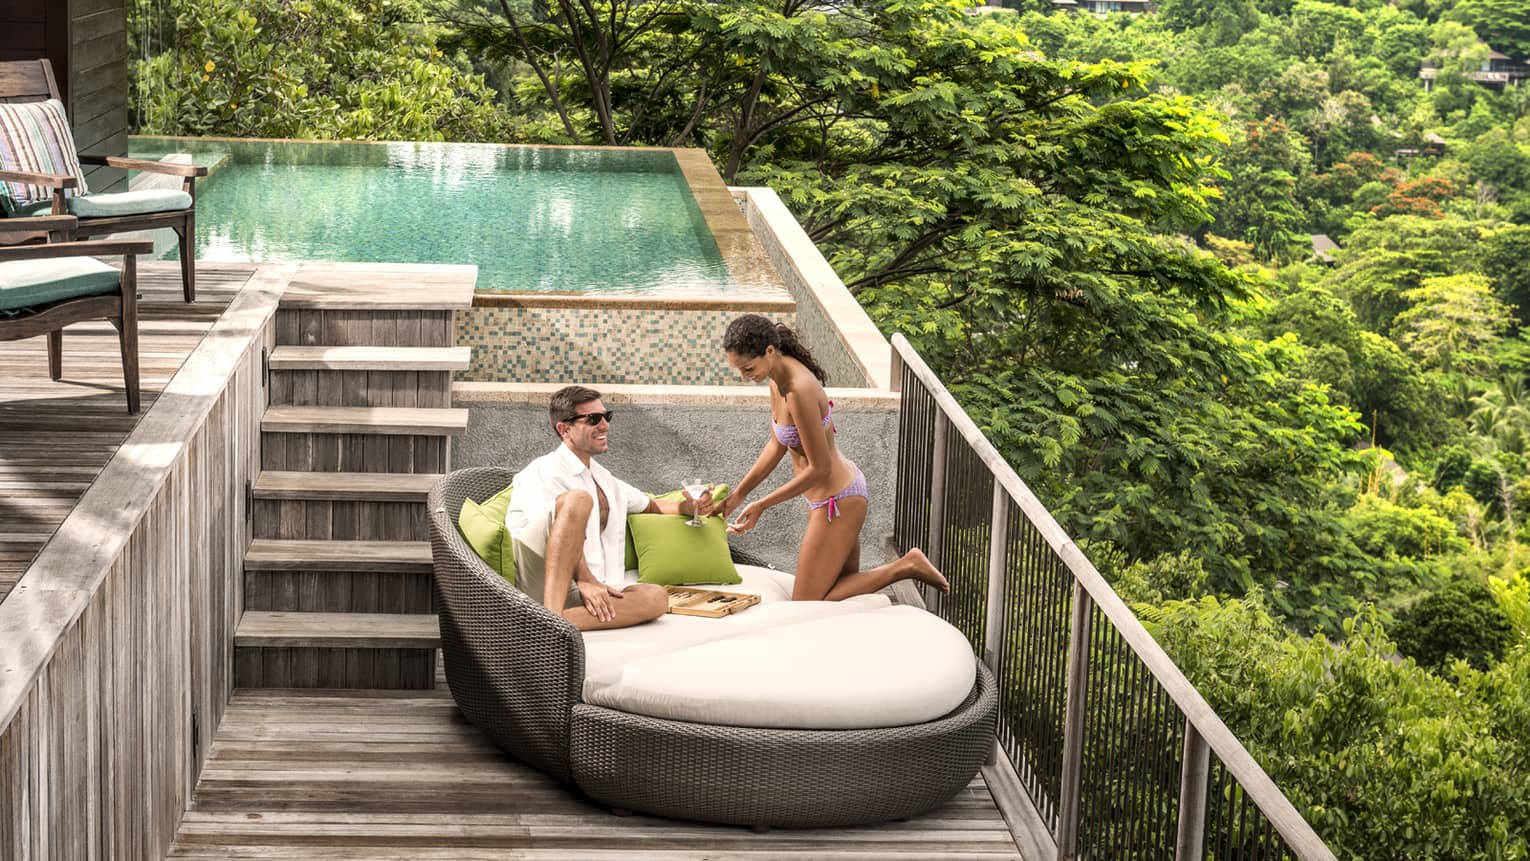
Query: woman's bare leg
(830, 549)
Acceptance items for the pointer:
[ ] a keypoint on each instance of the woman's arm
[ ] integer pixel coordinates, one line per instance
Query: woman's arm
(764, 465)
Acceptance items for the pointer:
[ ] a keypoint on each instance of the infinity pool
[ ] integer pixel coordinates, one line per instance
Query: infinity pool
(532, 218)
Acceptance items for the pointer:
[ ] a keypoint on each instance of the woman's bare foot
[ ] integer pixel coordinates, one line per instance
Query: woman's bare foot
(923, 571)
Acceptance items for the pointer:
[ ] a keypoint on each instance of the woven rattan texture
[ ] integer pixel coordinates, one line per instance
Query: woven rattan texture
(782, 778)
(517, 671)
(514, 668)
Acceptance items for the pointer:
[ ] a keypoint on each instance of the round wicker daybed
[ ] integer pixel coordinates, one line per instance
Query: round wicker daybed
(517, 671)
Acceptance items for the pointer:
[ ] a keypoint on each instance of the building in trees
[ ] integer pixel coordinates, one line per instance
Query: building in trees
(1499, 71)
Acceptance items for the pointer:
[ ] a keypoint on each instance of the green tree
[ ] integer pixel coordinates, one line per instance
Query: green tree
(1503, 24)
(1223, 20)
(1384, 258)
(360, 69)
(1365, 371)
(1459, 622)
(1504, 256)
(1260, 204)
(1384, 759)
(1452, 323)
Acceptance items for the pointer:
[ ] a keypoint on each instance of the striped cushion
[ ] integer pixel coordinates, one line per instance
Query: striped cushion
(35, 137)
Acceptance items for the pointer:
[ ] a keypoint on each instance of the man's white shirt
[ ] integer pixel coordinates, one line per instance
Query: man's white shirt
(537, 488)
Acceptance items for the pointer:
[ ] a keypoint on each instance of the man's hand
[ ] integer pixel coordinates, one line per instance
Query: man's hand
(597, 599)
(703, 507)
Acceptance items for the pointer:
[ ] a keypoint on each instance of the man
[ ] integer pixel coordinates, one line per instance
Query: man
(568, 516)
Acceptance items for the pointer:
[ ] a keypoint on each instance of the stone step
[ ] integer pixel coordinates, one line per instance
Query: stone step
(368, 358)
(345, 486)
(409, 421)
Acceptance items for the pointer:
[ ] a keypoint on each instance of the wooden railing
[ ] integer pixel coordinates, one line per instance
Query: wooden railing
(116, 648)
(1113, 752)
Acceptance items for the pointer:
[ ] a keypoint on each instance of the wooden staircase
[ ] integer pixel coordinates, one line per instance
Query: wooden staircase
(337, 581)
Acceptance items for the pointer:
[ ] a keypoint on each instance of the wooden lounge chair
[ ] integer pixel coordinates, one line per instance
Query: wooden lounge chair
(45, 287)
(27, 81)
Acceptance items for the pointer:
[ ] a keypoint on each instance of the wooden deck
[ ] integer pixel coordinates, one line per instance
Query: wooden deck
(362, 775)
(55, 437)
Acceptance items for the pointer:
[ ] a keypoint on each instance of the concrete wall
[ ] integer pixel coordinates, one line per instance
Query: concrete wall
(661, 433)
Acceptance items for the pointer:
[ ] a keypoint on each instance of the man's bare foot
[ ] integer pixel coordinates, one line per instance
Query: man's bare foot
(923, 571)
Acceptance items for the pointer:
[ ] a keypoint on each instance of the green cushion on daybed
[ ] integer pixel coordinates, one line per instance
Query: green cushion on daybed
(670, 553)
(28, 283)
(483, 525)
(630, 561)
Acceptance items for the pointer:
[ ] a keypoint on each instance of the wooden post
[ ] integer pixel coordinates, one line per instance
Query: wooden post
(938, 488)
(998, 552)
(1073, 724)
(896, 369)
(1190, 842)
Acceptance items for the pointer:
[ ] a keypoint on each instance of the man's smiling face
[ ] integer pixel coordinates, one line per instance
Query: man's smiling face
(583, 438)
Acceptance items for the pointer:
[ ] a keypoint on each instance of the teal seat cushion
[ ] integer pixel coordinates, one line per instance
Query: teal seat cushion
(483, 525)
(671, 553)
(29, 283)
(129, 203)
(43, 208)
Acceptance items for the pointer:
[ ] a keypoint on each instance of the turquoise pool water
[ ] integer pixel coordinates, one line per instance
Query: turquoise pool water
(531, 218)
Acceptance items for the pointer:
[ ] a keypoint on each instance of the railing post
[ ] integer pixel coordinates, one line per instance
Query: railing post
(896, 369)
(1195, 769)
(998, 563)
(1073, 724)
(938, 489)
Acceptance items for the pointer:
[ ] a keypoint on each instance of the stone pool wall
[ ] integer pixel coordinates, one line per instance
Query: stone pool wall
(832, 323)
(599, 340)
(662, 432)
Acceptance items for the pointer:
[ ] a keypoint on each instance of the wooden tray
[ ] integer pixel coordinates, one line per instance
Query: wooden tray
(692, 601)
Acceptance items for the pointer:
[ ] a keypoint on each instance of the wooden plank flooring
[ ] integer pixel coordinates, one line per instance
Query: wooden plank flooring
(372, 775)
(55, 437)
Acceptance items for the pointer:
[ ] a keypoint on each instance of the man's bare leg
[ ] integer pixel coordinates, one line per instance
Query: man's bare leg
(639, 603)
(565, 546)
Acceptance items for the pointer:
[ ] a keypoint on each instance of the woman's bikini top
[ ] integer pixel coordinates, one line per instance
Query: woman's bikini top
(788, 436)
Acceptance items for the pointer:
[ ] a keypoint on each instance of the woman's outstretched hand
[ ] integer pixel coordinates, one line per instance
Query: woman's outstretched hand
(730, 502)
(747, 519)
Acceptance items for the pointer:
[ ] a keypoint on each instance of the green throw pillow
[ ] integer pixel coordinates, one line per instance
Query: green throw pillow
(483, 525)
(719, 493)
(671, 553)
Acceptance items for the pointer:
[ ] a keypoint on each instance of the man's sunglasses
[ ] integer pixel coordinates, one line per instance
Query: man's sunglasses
(591, 419)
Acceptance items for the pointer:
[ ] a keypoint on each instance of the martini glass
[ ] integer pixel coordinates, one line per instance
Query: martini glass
(694, 489)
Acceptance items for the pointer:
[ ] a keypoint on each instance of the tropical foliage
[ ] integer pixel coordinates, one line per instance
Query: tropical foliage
(1309, 472)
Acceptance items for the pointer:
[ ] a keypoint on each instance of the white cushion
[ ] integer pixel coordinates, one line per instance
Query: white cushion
(856, 667)
(607, 650)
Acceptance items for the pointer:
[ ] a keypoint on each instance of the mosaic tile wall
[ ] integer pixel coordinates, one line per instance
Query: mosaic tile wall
(599, 345)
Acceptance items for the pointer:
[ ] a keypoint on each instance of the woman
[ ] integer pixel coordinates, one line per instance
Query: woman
(801, 419)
